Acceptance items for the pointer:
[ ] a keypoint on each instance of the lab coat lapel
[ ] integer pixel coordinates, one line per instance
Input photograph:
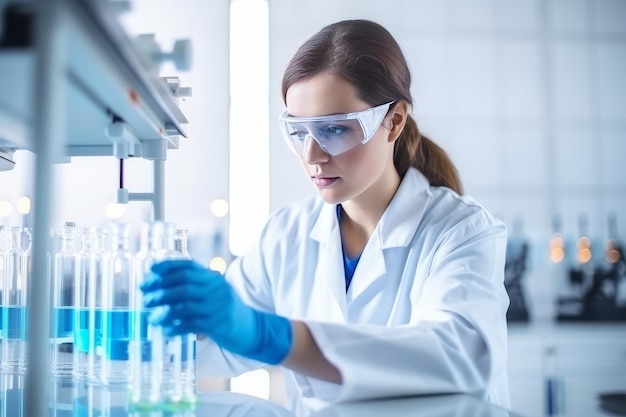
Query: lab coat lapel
(330, 261)
(370, 268)
(396, 228)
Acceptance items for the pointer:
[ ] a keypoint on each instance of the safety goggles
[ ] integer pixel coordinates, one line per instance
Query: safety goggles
(336, 133)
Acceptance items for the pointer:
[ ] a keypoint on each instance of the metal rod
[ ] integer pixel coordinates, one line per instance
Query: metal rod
(141, 197)
(158, 189)
(48, 141)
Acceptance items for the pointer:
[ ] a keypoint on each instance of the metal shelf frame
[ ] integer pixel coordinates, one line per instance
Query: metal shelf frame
(81, 76)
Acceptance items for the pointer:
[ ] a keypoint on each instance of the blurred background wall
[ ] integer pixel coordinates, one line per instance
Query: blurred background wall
(527, 97)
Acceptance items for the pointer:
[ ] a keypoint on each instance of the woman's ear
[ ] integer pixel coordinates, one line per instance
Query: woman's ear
(397, 119)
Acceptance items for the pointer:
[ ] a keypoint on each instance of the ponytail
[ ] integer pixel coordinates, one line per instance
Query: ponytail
(414, 149)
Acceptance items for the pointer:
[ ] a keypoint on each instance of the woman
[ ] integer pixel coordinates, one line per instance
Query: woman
(388, 283)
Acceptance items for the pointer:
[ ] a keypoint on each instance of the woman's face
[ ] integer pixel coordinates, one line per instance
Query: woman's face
(358, 173)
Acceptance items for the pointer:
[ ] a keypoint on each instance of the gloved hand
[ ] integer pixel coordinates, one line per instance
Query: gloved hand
(199, 300)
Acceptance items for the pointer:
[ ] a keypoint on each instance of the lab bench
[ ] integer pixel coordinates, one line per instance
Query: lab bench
(77, 398)
(580, 360)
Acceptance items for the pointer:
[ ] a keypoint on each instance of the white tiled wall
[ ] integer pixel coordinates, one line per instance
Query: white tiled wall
(528, 98)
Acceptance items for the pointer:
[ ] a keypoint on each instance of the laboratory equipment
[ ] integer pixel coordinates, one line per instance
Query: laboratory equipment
(146, 366)
(576, 270)
(61, 399)
(60, 59)
(157, 359)
(596, 280)
(82, 329)
(93, 400)
(90, 269)
(168, 350)
(517, 249)
(614, 402)
(63, 303)
(28, 251)
(98, 271)
(118, 294)
(12, 394)
(15, 306)
(553, 383)
(188, 358)
(3, 247)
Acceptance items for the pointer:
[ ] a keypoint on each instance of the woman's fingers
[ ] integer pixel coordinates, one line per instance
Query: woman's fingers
(173, 273)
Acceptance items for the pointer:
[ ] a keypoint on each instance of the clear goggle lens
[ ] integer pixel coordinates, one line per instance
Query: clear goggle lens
(335, 134)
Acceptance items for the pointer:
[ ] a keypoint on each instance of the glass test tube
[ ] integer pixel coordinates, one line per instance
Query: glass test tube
(146, 370)
(115, 401)
(3, 247)
(12, 395)
(118, 294)
(168, 349)
(188, 359)
(15, 306)
(62, 294)
(98, 267)
(82, 400)
(97, 400)
(61, 397)
(82, 329)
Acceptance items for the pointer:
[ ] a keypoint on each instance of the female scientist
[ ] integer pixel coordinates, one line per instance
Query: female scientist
(389, 283)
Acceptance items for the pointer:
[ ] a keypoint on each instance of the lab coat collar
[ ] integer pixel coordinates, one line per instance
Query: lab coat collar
(395, 231)
(396, 228)
(399, 221)
(329, 271)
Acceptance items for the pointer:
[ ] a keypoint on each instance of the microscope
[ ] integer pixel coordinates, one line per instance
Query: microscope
(597, 280)
(517, 249)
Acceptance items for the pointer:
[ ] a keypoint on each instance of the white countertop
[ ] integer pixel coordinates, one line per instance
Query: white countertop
(81, 398)
(218, 404)
(431, 406)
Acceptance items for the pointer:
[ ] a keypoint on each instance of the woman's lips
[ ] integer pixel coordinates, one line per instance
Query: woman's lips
(324, 181)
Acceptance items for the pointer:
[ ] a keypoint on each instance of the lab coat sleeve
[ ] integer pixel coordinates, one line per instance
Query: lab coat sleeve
(455, 340)
(215, 362)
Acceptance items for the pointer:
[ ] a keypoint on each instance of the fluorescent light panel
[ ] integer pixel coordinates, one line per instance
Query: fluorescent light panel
(249, 128)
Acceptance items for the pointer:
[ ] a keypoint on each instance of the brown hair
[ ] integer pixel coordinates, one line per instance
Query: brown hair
(366, 55)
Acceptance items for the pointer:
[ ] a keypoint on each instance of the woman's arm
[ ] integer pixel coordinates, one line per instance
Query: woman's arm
(305, 356)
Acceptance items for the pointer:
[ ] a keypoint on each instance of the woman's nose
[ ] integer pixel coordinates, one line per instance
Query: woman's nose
(312, 153)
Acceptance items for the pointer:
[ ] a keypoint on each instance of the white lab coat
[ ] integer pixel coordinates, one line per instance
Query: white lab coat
(425, 311)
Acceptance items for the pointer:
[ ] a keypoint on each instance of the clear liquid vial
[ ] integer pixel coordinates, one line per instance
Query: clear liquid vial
(82, 288)
(61, 401)
(98, 271)
(3, 247)
(168, 349)
(13, 388)
(188, 343)
(147, 370)
(91, 267)
(63, 303)
(118, 294)
(14, 306)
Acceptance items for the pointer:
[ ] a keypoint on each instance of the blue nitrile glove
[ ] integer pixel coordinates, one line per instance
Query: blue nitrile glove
(199, 300)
